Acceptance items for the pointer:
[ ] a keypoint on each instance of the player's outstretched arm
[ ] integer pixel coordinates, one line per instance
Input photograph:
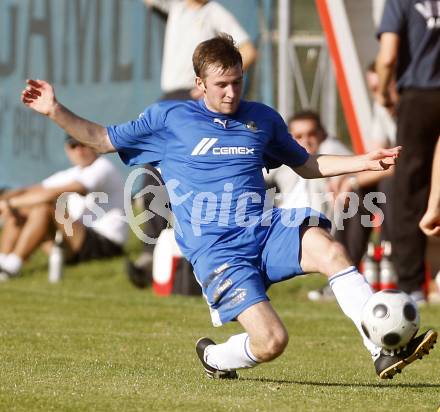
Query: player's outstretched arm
(39, 95)
(330, 165)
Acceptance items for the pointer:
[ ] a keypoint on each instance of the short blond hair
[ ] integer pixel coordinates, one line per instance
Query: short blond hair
(219, 51)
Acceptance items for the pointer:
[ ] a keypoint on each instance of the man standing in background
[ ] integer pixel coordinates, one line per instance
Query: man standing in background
(410, 50)
(190, 22)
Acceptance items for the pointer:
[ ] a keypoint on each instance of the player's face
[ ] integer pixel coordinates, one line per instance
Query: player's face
(222, 88)
(307, 134)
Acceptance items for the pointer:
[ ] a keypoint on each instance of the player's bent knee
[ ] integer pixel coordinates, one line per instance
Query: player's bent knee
(335, 259)
(336, 250)
(273, 347)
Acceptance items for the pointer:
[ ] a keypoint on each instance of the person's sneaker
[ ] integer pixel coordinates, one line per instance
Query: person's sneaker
(324, 294)
(388, 363)
(211, 372)
(139, 276)
(6, 275)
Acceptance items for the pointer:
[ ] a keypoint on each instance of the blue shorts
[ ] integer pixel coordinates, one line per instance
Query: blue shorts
(236, 274)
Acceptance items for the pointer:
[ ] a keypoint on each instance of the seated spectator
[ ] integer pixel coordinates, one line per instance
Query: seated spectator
(93, 226)
(295, 191)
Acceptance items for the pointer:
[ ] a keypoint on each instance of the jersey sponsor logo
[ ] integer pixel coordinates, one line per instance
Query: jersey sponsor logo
(231, 150)
(203, 146)
(207, 142)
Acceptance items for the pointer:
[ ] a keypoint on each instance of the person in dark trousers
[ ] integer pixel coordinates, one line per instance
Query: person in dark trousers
(409, 36)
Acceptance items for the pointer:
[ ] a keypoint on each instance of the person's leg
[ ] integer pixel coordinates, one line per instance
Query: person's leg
(386, 186)
(321, 253)
(236, 290)
(264, 339)
(34, 231)
(154, 226)
(140, 272)
(40, 223)
(31, 232)
(267, 335)
(73, 239)
(354, 235)
(352, 292)
(13, 222)
(418, 129)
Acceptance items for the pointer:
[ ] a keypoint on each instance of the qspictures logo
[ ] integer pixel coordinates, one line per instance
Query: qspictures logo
(215, 208)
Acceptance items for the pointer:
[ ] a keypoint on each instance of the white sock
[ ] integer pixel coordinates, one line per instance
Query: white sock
(12, 263)
(2, 257)
(235, 353)
(352, 292)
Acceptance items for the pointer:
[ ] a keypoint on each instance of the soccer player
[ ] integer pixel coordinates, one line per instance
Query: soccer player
(211, 153)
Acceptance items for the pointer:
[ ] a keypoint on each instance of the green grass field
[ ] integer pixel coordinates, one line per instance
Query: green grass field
(95, 343)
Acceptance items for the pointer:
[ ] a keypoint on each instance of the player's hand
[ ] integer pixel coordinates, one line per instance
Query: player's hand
(39, 96)
(430, 223)
(382, 159)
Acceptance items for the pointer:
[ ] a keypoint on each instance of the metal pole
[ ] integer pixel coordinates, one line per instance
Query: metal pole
(266, 52)
(283, 58)
(329, 102)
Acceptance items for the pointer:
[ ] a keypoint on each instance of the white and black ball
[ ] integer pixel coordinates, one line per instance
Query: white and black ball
(390, 319)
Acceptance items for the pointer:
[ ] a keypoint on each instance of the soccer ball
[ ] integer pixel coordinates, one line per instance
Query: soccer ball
(390, 319)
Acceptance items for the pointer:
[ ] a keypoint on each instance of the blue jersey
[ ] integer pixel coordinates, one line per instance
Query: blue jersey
(211, 163)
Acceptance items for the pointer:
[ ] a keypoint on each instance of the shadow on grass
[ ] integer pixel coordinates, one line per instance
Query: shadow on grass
(385, 385)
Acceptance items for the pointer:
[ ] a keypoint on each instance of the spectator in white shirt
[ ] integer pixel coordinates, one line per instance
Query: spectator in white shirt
(93, 226)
